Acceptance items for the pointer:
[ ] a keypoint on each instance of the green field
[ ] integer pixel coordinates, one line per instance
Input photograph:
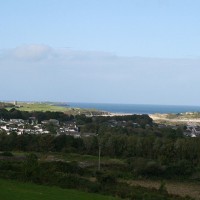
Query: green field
(13, 190)
(41, 107)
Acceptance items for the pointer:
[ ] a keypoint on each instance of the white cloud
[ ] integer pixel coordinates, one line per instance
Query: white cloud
(38, 52)
(44, 55)
(27, 53)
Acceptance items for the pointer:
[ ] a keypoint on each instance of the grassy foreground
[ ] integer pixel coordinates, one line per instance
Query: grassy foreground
(13, 190)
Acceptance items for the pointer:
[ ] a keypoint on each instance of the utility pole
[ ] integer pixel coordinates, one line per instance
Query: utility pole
(99, 145)
(99, 164)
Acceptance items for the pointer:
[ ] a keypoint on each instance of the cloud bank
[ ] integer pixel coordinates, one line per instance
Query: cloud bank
(40, 72)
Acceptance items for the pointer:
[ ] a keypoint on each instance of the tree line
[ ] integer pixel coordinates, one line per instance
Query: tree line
(156, 154)
(39, 115)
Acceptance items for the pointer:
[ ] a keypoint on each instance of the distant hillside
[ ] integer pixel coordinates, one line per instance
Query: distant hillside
(5, 105)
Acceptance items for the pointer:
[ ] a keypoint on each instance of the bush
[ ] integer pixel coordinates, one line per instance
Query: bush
(63, 167)
(73, 181)
(31, 168)
(180, 168)
(105, 178)
(153, 169)
(6, 153)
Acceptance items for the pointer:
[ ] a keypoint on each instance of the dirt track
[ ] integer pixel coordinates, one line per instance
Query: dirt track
(178, 188)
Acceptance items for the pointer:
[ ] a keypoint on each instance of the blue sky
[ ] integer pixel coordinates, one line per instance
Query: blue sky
(110, 51)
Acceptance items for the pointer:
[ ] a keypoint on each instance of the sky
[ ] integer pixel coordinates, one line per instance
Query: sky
(108, 51)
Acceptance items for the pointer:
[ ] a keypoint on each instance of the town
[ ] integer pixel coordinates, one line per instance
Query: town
(51, 126)
(73, 128)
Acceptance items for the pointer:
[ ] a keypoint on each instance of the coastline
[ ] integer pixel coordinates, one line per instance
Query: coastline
(110, 110)
(112, 114)
(127, 109)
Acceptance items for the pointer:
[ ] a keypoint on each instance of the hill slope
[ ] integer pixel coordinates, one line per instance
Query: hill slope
(13, 190)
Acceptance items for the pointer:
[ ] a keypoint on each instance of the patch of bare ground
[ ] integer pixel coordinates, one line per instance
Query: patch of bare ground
(165, 118)
(178, 188)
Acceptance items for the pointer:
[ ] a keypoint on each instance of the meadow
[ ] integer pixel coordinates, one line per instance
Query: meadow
(44, 107)
(14, 190)
(41, 107)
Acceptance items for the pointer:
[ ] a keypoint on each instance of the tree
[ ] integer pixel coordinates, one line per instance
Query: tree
(31, 167)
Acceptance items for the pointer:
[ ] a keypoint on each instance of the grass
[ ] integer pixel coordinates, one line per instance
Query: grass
(41, 107)
(13, 190)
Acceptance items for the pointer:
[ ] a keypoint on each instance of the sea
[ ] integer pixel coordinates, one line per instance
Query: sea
(134, 108)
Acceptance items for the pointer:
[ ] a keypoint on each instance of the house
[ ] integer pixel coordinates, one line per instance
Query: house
(32, 120)
(196, 130)
(51, 121)
(16, 121)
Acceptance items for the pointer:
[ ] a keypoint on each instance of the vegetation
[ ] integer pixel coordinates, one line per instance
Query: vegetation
(13, 190)
(132, 148)
(30, 107)
(147, 156)
(5, 105)
(39, 115)
(48, 107)
(71, 175)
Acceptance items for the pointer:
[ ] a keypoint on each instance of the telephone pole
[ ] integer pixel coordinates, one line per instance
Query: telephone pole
(99, 164)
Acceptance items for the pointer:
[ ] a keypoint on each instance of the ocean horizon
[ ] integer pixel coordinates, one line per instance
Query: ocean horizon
(134, 108)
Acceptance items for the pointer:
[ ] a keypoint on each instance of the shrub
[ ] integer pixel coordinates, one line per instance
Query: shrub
(105, 178)
(6, 153)
(64, 167)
